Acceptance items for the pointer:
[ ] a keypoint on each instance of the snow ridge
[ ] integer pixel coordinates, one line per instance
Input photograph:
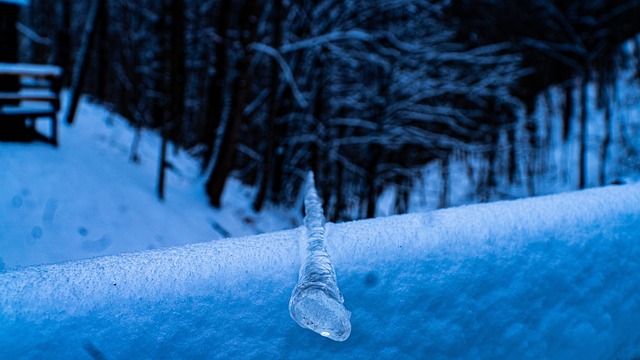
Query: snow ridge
(316, 302)
(539, 278)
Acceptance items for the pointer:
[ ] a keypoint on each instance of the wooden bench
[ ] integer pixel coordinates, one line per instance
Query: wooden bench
(30, 92)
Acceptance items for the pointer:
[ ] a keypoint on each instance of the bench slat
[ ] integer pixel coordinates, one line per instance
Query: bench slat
(49, 96)
(33, 70)
(22, 111)
(38, 96)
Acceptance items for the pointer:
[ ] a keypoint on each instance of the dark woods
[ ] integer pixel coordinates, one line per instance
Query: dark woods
(364, 93)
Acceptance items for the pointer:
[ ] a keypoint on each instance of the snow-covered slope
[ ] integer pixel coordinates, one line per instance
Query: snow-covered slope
(86, 198)
(550, 277)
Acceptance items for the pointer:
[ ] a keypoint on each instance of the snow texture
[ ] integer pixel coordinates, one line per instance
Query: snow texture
(316, 302)
(86, 198)
(550, 277)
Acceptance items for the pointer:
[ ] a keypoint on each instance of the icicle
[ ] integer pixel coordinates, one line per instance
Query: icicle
(316, 302)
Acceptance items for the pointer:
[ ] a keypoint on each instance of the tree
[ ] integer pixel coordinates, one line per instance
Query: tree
(223, 163)
(173, 117)
(81, 61)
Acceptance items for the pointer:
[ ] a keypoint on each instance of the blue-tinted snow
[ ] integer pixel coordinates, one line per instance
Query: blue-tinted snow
(551, 277)
(86, 198)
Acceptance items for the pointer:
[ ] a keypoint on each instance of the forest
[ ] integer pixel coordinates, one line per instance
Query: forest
(364, 93)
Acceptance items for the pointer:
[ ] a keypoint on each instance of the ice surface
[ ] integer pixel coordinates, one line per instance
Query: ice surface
(544, 278)
(316, 302)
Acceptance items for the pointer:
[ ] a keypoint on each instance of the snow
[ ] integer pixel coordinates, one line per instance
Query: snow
(548, 277)
(86, 198)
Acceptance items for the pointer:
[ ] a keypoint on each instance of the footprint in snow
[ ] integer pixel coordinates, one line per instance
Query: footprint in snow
(97, 246)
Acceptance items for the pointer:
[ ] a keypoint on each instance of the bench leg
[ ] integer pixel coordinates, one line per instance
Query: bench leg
(54, 131)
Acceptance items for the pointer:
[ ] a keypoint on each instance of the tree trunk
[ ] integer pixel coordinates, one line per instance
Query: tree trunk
(584, 135)
(372, 180)
(371, 188)
(567, 113)
(175, 104)
(103, 67)
(223, 166)
(606, 138)
(402, 196)
(444, 193)
(340, 199)
(491, 182)
(272, 139)
(177, 68)
(380, 78)
(532, 132)
(548, 121)
(178, 56)
(163, 106)
(512, 161)
(62, 52)
(218, 84)
(162, 163)
(82, 61)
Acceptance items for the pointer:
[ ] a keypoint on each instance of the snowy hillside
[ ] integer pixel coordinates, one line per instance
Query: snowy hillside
(551, 277)
(86, 198)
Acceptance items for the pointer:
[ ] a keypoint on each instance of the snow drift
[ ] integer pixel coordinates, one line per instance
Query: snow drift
(549, 277)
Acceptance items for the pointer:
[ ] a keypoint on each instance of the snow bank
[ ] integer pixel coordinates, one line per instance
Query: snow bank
(550, 277)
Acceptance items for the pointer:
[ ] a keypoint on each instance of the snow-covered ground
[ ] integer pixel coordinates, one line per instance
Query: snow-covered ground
(86, 198)
(548, 277)
(540, 278)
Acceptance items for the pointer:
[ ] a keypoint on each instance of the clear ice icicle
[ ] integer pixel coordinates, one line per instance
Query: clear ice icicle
(316, 302)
